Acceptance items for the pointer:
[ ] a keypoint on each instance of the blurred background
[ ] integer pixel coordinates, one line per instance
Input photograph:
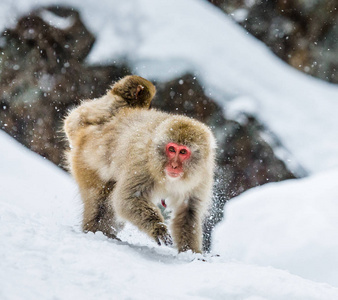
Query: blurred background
(302, 33)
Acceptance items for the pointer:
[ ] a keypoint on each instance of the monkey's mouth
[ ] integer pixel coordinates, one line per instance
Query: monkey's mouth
(174, 174)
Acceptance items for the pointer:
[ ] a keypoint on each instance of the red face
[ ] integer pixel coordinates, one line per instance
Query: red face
(176, 154)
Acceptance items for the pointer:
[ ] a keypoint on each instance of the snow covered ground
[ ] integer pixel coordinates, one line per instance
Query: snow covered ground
(44, 255)
(291, 225)
(278, 241)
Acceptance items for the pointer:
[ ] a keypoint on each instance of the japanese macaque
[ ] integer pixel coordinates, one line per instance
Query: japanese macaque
(127, 158)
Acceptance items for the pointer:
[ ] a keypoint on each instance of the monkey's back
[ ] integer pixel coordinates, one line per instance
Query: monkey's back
(108, 147)
(135, 128)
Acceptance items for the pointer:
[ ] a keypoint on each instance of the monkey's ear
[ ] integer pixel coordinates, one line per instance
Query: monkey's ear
(139, 90)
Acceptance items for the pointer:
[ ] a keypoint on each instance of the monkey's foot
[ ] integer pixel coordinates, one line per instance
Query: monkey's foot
(162, 236)
(111, 236)
(206, 258)
(107, 234)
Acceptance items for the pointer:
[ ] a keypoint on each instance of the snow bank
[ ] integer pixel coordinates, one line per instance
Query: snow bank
(44, 255)
(290, 225)
(29, 183)
(163, 39)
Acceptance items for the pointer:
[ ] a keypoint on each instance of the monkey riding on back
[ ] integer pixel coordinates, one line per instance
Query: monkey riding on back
(126, 158)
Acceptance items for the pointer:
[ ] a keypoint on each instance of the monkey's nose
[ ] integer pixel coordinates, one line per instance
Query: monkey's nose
(174, 165)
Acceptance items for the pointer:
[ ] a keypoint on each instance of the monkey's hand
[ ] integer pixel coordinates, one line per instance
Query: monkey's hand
(161, 235)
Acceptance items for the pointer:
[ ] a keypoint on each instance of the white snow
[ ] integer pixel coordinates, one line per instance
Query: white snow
(44, 255)
(56, 21)
(278, 241)
(290, 225)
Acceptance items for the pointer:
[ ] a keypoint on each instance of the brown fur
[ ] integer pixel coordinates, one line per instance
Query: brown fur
(118, 159)
(130, 91)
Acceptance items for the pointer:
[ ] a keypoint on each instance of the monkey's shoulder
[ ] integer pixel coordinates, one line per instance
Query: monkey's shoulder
(139, 116)
(155, 116)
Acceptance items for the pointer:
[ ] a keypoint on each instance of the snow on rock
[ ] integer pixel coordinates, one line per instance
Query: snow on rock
(56, 21)
(292, 225)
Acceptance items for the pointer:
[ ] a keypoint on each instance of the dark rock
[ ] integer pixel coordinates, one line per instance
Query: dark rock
(43, 74)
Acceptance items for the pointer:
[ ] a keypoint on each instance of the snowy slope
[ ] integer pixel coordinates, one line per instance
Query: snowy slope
(291, 225)
(45, 256)
(163, 39)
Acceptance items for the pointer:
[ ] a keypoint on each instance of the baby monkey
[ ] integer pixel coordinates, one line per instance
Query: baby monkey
(127, 158)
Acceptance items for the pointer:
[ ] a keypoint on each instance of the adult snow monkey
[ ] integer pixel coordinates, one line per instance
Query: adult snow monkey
(126, 158)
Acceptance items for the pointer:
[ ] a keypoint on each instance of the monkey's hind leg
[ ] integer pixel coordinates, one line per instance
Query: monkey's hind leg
(98, 214)
(187, 229)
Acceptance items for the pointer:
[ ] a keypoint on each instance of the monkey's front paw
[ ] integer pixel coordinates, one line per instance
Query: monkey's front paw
(162, 236)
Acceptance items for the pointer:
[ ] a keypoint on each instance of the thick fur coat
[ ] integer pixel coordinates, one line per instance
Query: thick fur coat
(117, 156)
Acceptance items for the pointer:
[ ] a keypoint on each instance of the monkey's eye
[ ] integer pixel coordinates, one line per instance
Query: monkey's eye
(171, 149)
(183, 151)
